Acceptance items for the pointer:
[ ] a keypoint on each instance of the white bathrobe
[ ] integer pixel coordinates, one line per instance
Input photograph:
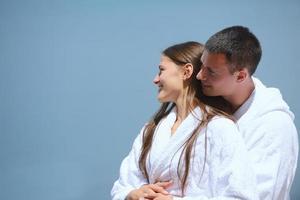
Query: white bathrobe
(227, 172)
(266, 124)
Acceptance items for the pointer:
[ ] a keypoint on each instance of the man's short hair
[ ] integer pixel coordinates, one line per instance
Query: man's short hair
(241, 47)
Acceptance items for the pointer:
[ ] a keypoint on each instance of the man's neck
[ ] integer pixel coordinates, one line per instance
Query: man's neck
(241, 94)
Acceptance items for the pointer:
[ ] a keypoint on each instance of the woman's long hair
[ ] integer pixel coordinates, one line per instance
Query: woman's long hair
(181, 54)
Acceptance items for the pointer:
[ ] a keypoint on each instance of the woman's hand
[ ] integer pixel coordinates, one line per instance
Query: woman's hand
(150, 191)
(159, 196)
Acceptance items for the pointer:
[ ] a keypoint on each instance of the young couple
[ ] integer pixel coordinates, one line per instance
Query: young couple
(219, 133)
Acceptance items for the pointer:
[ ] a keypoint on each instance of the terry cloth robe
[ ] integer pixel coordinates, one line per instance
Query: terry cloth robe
(227, 172)
(266, 124)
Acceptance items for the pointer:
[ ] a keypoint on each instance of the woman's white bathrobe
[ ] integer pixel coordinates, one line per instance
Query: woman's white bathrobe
(227, 173)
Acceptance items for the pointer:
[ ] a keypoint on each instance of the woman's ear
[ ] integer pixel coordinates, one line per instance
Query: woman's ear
(187, 71)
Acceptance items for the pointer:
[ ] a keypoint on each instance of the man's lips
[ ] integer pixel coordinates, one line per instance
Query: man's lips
(205, 85)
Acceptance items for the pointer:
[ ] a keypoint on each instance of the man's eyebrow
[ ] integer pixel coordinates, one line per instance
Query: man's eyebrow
(207, 67)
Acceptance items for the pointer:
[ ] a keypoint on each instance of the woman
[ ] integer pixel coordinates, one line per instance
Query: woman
(189, 150)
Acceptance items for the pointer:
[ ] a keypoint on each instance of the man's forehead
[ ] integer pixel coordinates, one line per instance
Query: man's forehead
(214, 58)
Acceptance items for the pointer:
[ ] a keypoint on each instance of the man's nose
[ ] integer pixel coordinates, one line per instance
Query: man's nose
(201, 75)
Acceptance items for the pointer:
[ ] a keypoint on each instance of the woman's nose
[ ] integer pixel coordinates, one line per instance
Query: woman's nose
(156, 79)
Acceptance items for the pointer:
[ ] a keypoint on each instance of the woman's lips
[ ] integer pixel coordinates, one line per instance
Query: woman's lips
(159, 88)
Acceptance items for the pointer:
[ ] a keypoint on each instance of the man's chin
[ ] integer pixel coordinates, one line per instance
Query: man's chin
(209, 93)
(205, 91)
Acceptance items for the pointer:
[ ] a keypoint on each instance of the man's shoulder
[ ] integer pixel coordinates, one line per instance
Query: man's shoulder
(268, 104)
(275, 119)
(275, 125)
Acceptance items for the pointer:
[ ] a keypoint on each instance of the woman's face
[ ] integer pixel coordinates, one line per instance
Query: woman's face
(169, 80)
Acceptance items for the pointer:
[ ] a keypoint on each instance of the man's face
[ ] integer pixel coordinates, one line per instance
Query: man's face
(215, 76)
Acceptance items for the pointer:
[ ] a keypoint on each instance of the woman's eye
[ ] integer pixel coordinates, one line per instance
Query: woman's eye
(160, 71)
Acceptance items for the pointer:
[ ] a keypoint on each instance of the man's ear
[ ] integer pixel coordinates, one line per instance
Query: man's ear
(187, 71)
(241, 74)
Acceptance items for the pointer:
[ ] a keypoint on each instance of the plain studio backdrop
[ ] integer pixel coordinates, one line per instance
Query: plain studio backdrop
(76, 82)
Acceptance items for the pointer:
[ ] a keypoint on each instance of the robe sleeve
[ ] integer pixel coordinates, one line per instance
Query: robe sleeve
(274, 151)
(130, 175)
(231, 175)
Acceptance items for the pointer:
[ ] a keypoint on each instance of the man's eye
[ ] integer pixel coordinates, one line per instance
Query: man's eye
(211, 72)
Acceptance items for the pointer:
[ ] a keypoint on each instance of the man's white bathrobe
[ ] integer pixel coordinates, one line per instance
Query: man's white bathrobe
(266, 124)
(227, 172)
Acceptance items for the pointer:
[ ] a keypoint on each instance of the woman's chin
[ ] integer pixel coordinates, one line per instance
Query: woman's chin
(161, 99)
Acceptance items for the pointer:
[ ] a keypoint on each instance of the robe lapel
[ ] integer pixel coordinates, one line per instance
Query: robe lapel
(165, 145)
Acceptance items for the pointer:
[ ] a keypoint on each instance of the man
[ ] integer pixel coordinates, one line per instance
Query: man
(229, 60)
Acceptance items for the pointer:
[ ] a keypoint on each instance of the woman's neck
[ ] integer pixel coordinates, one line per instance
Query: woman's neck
(182, 106)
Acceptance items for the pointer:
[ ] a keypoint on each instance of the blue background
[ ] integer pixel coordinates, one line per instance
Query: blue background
(76, 82)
